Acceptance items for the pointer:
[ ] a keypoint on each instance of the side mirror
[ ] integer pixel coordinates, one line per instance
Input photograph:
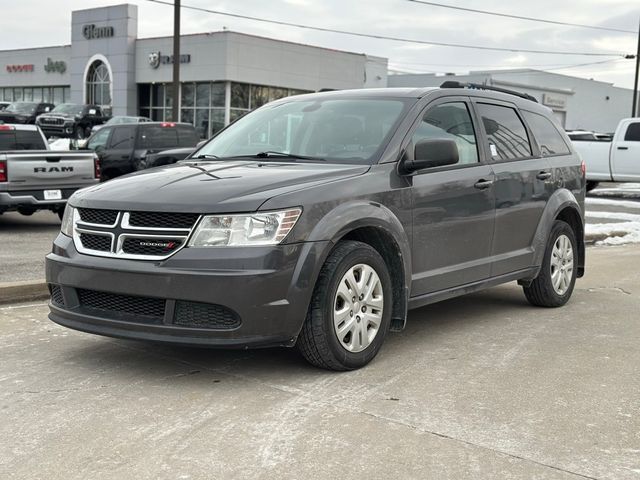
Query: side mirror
(46, 109)
(92, 111)
(433, 152)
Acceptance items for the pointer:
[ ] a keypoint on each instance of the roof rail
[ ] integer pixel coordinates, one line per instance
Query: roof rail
(477, 86)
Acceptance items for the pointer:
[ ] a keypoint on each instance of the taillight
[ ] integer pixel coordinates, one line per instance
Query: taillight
(96, 166)
(7, 127)
(3, 171)
(167, 124)
(583, 169)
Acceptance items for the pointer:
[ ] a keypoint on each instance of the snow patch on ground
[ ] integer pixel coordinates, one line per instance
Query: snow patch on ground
(631, 217)
(614, 203)
(615, 233)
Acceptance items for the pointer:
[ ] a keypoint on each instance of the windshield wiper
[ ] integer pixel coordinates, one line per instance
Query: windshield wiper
(273, 154)
(206, 155)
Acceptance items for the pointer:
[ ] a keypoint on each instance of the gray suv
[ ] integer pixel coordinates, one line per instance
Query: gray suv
(319, 220)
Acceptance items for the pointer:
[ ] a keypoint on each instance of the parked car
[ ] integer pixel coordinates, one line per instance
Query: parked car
(71, 120)
(169, 157)
(34, 178)
(120, 119)
(319, 220)
(4, 105)
(124, 148)
(614, 161)
(24, 112)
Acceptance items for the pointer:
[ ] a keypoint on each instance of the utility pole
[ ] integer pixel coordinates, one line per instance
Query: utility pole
(635, 83)
(176, 61)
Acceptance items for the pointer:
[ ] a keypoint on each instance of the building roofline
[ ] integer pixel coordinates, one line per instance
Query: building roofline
(34, 48)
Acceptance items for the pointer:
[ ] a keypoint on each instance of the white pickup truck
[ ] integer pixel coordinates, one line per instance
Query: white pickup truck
(614, 161)
(33, 177)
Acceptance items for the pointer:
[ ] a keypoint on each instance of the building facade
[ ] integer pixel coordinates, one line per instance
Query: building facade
(223, 74)
(578, 103)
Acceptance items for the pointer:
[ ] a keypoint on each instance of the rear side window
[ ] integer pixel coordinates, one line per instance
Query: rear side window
(187, 136)
(451, 121)
(21, 140)
(157, 136)
(633, 133)
(548, 137)
(122, 138)
(506, 134)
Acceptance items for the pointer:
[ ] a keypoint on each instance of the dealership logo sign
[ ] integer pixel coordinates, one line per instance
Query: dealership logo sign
(91, 31)
(156, 59)
(52, 67)
(20, 68)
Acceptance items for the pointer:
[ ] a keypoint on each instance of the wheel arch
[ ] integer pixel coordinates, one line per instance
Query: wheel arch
(564, 206)
(377, 226)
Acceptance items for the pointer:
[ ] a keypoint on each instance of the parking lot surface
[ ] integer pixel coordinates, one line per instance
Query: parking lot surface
(478, 387)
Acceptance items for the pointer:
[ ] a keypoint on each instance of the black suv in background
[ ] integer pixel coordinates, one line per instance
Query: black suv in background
(124, 148)
(319, 220)
(71, 120)
(24, 112)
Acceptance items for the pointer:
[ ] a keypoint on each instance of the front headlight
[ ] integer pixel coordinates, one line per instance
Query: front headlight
(253, 229)
(67, 221)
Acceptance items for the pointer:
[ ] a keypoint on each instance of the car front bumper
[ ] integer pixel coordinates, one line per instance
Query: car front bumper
(34, 197)
(223, 297)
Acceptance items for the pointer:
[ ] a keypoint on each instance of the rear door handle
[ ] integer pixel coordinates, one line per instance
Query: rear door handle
(543, 175)
(623, 148)
(482, 184)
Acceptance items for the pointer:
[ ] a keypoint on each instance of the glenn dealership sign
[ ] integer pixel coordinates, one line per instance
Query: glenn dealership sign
(91, 31)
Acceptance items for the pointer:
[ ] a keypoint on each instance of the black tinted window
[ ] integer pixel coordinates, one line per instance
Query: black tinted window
(21, 140)
(633, 133)
(122, 138)
(507, 136)
(451, 121)
(548, 137)
(157, 136)
(187, 136)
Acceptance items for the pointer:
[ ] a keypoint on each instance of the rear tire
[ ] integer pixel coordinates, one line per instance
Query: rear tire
(350, 310)
(591, 185)
(554, 284)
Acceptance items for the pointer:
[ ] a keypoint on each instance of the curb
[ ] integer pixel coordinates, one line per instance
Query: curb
(14, 292)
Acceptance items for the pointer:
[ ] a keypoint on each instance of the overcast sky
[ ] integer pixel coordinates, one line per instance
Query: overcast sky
(34, 23)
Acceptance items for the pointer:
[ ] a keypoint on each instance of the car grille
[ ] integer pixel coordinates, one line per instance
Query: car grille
(98, 217)
(91, 241)
(205, 315)
(117, 305)
(51, 121)
(56, 295)
(167, 220)
(136, 235)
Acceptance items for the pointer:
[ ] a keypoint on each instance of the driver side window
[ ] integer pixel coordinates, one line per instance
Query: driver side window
(99, 140)
(450, 121)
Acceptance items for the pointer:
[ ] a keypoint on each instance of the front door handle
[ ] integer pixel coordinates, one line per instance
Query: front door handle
(482, 184)
(623, 148)
(543, 175)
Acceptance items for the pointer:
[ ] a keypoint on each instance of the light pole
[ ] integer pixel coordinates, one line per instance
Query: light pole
(635, 82)
(175, 112)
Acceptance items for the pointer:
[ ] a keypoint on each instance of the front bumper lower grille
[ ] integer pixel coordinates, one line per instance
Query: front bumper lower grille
(148, 310)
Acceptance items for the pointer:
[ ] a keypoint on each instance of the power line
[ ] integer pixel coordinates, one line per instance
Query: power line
(383, 37)
(521, 17)
(484, 65)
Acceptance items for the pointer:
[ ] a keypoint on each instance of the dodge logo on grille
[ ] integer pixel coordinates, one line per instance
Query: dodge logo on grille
(165, 245)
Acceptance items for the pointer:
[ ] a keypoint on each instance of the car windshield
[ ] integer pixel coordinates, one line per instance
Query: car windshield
(22, 107)
(344, 130)
(68, 108)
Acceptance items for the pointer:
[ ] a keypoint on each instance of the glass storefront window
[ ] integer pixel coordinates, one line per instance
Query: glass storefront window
(202, 122)
(187, 94)
(239, 95)
(202, 94)
(259, 95)
(27, 94)
(17, 94)
(276, 93)
(58, 95)
(217, 120)
(218, 92)
(144, 95)
(157, 94)
(168, 96)
(236, 113)
(186, 115)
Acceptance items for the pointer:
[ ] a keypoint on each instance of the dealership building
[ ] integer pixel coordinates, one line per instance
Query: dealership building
(577, 103)
(223, 74)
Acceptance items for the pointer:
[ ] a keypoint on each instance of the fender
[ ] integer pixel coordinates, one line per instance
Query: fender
(350, 216)
(558, 201)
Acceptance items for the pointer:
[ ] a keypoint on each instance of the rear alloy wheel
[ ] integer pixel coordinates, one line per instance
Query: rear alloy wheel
(554, 284)
(350, 310)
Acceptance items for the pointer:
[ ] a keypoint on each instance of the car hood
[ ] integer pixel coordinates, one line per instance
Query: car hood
(210, 187)
(58, 115)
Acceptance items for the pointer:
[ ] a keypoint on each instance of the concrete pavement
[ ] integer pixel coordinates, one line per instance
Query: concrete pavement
(479, 387)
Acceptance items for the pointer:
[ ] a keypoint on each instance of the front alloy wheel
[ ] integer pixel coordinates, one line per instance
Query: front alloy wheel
(561, 264)
(358, 307)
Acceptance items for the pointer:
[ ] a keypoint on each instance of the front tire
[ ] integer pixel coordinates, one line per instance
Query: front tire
(554, 284)
(350, 311)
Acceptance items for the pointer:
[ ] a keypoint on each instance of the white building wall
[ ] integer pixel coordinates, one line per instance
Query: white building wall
(577, 102)
(38, 58)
